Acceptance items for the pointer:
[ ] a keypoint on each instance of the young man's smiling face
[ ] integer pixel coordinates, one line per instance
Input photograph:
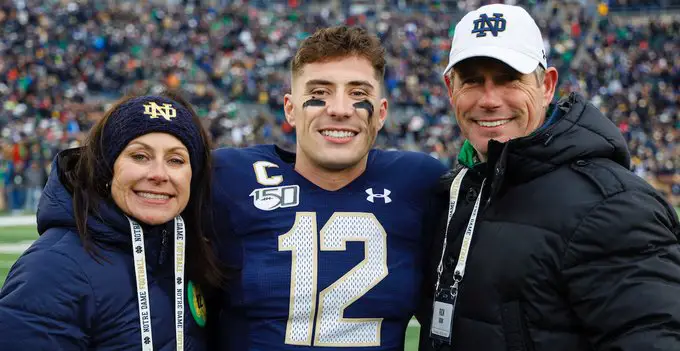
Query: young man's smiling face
(337, 134)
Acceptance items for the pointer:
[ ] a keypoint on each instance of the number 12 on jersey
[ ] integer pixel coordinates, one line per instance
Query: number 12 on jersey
(332, 329)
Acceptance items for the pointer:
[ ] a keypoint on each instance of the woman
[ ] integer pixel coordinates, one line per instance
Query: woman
(116, 218)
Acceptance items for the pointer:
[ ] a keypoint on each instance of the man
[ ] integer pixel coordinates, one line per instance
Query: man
(549, 242)
(328, 241)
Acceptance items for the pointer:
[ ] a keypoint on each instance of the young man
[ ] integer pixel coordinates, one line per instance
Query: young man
(549, 242)
(328, 241)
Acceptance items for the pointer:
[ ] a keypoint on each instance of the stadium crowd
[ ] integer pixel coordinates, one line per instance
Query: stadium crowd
(62, 63)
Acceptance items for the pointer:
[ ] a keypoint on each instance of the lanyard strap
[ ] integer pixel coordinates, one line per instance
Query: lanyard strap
(453, 200)
(179, 282)
(143, 298)
(459, 271)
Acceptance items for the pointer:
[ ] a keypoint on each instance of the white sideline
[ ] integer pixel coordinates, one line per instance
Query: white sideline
(12, 221)
(15, 248)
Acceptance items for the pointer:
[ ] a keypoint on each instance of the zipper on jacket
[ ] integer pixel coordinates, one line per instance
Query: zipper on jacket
(515, 329)
(164, 246)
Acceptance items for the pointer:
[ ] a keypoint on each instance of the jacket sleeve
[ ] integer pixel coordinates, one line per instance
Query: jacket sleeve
(430, 254)
(622, 270)
(45, 304)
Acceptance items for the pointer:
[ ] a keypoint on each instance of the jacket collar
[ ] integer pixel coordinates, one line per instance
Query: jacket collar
(575, 130)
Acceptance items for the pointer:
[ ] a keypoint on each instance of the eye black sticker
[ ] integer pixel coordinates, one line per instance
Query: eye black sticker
(365, 104)
(314, 102)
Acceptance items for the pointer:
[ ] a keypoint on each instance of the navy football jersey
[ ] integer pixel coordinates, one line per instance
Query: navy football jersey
(320, 269)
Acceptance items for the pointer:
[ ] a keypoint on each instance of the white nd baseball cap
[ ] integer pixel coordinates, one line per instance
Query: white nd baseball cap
(504, 32)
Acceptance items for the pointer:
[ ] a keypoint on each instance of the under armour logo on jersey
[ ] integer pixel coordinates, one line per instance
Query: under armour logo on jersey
(385, 196)
(485, 24)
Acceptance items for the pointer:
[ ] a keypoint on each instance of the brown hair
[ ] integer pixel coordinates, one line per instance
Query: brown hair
(90, 177)
(338, 42)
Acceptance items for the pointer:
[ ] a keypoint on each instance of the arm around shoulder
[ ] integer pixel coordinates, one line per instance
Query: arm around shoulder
(46, 304)
(622, 270)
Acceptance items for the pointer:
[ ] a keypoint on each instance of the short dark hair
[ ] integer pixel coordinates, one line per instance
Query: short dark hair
(337, 42)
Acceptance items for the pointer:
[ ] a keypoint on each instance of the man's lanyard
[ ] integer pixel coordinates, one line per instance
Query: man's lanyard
(143, 298)
(453, 200)
(444, 303)
(459, 272)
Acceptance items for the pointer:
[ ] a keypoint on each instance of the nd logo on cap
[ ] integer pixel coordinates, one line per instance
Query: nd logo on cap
(485, 24)
(154, 111)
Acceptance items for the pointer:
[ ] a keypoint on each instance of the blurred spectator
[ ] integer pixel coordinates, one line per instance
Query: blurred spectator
(35, 178)
(4, 173)
(17, 188)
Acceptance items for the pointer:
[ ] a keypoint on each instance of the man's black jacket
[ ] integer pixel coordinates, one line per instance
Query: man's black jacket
(571, 250)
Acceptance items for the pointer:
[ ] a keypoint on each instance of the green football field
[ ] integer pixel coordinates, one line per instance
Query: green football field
(14, 239)
(11, 239)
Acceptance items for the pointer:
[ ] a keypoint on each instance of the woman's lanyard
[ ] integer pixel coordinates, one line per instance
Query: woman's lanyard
(442, 320)
(143, 298)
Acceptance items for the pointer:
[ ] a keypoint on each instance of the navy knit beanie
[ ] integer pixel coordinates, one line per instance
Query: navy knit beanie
(151, 114)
